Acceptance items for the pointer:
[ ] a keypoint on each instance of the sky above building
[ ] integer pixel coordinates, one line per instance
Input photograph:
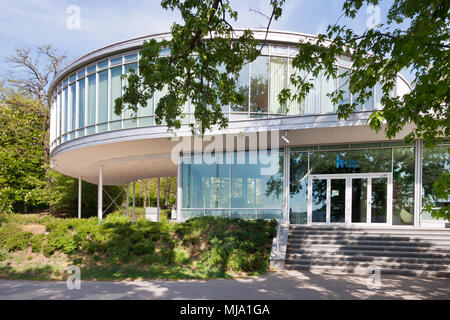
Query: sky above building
(30, 23)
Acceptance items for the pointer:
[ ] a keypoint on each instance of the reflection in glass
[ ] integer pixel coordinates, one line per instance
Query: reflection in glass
(102, 96)
(343, 84)
(91, 100)
(255, 182)
(403, 186)
(259, 85)
(359, 200)
(298, 187)
(242, 87)
(278, 82)
(337, 200)
(435, 162)
(81, 105)
(116, 92)
(319, 200)
(379, 200)
(328, 86)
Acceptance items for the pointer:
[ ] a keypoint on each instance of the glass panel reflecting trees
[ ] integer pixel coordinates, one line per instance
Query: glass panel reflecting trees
(243, 184)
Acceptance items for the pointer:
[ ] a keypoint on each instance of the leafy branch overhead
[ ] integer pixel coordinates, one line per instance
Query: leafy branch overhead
(378, 55)
(206, 55)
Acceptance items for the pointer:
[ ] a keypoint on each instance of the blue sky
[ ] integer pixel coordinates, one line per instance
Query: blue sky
(29, 23)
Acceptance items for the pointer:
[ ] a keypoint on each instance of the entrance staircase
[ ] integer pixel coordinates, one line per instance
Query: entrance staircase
(356, 249)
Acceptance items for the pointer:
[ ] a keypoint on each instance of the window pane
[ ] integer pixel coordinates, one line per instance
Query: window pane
(116, 92)
(259, 85)
(351, 161)
(257, 180)
(312, 100)
(403, 187)
(91, 100)
(435, 162)
(66, 110)
(103, 96)
(81, 104)
(298, 190)
(73, 106)
(205, 182)
(278, 82)
(344, 85)
(294, 106)
(242, 87)
(328, 86)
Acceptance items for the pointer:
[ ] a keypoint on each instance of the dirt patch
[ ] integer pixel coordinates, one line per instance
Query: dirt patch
(34, 228)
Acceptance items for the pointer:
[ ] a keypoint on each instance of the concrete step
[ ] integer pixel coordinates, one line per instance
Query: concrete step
(366, 264)
(363, 270)
(412, 244)
(370, 253)
(391, 233)
(338, 247)
(383, 237)
(389, 229)
(362, 258)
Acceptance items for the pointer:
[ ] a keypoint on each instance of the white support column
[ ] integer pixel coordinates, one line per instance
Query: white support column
(157, 198)
(128, 198)
(179, 187)
(134, 201)
(418, 183)
(79, 197)
(100, 193)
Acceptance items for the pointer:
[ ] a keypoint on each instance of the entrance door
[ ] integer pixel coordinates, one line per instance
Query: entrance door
(350, 199)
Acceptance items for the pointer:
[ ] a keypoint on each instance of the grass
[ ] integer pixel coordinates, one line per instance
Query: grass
(41, 247)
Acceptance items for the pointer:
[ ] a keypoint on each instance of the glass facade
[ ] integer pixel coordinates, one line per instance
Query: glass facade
(434, 162)
(346, 160)
(243, 184)
(85, 99)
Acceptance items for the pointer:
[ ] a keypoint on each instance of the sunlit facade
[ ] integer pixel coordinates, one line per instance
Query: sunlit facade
(326, 171)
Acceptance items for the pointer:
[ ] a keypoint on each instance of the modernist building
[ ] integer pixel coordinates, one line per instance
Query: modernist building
(307, 167)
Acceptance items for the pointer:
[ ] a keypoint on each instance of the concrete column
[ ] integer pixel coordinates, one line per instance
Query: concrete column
(157, 198)
(134, 201)
(100, 193)
(79, 197)
(179, 187)
(128, 198)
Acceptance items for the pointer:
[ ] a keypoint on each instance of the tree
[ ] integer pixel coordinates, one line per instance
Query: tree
(206, 57)
(196, 69)
(25, 172)
(22, 158)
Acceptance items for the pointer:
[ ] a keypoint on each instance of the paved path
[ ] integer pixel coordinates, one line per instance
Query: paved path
(274, 285)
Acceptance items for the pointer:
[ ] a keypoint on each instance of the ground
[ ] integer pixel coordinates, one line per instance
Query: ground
(282, 285)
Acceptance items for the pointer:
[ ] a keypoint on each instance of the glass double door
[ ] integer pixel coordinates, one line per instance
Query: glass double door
(350, 199)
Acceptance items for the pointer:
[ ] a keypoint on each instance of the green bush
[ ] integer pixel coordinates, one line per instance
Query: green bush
(18, 241)
(36, 243)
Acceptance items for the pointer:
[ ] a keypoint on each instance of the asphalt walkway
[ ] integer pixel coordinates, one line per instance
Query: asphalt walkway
(274, 285)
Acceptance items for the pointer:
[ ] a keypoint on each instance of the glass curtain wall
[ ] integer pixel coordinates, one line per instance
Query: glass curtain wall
(434, 162)
(370, 158)
(85, 99)
(245, 184)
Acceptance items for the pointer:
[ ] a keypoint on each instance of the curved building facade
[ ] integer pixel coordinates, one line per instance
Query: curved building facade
(295, 162)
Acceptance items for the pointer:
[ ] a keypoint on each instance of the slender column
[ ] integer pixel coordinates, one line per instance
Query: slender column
(128, 198)
(134, 201)
(157, 198)
(79, 197)
(179, 188)
(100, 193)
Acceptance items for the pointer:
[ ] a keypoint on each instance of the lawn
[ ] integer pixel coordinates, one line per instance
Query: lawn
(42, 247)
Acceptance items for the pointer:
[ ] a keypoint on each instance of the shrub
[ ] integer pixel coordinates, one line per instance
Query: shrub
(18, 241)
(36, 243)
